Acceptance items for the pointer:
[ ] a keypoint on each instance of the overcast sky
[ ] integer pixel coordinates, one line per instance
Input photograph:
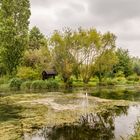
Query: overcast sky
(121, 17)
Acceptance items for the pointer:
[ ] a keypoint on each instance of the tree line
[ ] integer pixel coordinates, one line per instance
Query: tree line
(82, 53)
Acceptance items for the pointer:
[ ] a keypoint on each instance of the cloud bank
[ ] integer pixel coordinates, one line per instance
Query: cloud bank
(122, 17)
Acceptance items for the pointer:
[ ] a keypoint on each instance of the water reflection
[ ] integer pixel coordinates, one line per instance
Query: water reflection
(118, 93)
(99, 126)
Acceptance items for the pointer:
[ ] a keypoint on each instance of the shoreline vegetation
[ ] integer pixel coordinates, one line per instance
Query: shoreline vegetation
(56, 84)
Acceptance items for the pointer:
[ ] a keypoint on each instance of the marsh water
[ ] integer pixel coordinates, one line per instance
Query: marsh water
(73, 117)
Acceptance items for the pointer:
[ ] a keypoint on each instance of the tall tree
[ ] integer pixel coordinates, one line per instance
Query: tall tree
(107, 57)
(14, 21)
(136, 65)
(104, 63)
(36, 39)
(124, 62)
(63, 59)
(90, 45)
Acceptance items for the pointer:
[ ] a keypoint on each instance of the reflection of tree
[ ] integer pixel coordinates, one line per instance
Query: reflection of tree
(91, 126)
(117, 93)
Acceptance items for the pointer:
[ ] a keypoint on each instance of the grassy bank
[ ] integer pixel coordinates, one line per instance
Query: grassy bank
(56, 84)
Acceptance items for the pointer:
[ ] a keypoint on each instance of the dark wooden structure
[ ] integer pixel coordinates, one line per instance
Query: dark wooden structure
(48, 74)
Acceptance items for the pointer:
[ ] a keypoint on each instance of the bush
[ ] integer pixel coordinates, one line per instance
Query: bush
(52, 84)
(119, 74)
(15, 83)
(69, 83)
(4, 80)
(27, 73)
(26, 85)
(38, 84)
(111, 81)
(48, 84)
(103, 83)
(133, 77)
(121, 80)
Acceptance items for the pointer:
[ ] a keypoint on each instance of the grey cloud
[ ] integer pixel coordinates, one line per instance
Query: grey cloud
(42, 3)
(122, 17)
(115, 9)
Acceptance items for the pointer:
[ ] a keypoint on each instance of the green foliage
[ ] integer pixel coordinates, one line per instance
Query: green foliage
(15, 83)
(99, 47)
(86, 71)
(26, 85)
(38, 59)
(69, 83)
(136, 65)
(36, 39)
(31, 58)
(136, 69)
(52, 84)
(27, 73)
(86, 50)
(4, 80)
(108, 82)
(111, 81)
(2, 69)
(119, 74)
(104, 63)
(38, 84)
(48, 84)
(124, 62)
(121, 80)
(62, 57)
(133, 77)
(76, 52)
(14, 21)
(117, 93)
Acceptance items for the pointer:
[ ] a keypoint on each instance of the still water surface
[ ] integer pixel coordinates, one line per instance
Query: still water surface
(112, 124)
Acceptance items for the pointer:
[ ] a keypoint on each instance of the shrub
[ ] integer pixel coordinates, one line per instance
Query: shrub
(130, 82)
(39, 84)
(27, 73)
(111, 81)
(15, 83)
(78, 83)
(4, 80)
(69, 83)
(26, 85)
(121, 80)
(119, 74)
(103, 83)
(133, 77)
(48, 84)
(52, 84)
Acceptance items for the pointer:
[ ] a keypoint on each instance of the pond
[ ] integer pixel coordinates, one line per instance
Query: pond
(107, 113)
(127, 93)
(111, 124)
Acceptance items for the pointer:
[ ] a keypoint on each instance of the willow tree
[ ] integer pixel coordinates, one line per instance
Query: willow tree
(89, 46)
(62, 57)
(104, 63)
(107, 57)
(14, 22)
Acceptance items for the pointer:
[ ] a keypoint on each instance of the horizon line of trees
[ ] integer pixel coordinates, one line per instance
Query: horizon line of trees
(82, 53)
